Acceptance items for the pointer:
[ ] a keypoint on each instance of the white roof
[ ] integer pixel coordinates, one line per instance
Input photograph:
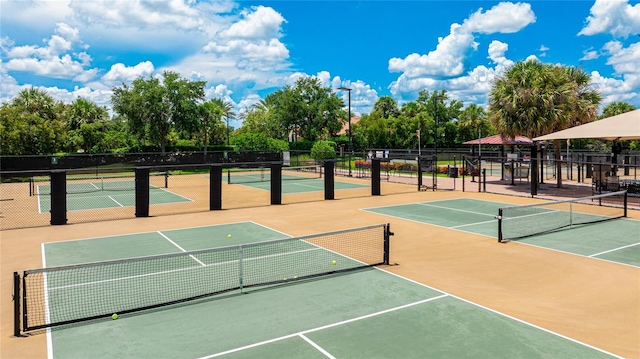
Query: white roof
(625, 126)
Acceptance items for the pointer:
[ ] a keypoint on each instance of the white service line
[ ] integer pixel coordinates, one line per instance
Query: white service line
(615, 249)
(457, 210)
(313, 344)
(324, 327)
(180, 248)
(118, 203)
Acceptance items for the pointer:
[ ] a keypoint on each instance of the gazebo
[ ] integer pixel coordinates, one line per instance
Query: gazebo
(498, 140)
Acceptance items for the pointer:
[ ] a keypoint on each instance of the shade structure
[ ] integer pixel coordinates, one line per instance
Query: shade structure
(625, 126)
(498, 140)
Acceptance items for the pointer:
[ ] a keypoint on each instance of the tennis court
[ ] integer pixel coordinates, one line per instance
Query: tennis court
(613, 240)
(366, 313)
(294, 179)
(105, 192)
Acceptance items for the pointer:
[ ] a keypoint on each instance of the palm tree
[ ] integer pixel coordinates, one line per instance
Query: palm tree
(34, 101)
(532, 99)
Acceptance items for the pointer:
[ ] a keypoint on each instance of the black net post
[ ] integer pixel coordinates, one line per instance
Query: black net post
(500, 225)
(215, 187)
(17, 297)
(142, 191)
(625, 204)
(329, 179)
(375, 176)
(58, 197)
(276, 183)
(387, 240)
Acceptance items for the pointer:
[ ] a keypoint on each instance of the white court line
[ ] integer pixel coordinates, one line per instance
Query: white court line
(166, 230)
(324, 327)
(113, 199)
(472, 224)
(490, 236)
(615, 249)
(180, 248)
(313, 344)
(457, 210)
(46, 306)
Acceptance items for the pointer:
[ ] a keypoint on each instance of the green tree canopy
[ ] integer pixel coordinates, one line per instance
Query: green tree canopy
(532, 98)
(153, 107)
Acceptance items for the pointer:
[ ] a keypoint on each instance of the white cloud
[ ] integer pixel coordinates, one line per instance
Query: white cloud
(613, 89)
(250, 57)
(497, 50)
(260, 23)
(616, 17)
(589, 55)
(543, 48)
(54, 59)
(121, 73)
(625, 61)
(447, 60)
(138, 13)
(23, 13)
(505, 18)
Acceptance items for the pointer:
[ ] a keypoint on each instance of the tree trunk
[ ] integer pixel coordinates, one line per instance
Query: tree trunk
(558, 153)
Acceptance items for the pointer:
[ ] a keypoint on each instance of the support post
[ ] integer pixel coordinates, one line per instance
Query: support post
(276, 183)
(142, 191)
(215, 187)
(534, 170)
(329, 179)
(58, 197)
(375, 176)
(17, 297)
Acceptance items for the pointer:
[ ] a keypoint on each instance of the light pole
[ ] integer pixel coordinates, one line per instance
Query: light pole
(227, 131)
(349, 130)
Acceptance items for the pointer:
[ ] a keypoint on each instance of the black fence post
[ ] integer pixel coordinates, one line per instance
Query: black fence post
(329, 179)
(375, 176)
(215, 187)
(58, 197)
(276, 183)
(484, 180)
(142, 191)
(534, 170)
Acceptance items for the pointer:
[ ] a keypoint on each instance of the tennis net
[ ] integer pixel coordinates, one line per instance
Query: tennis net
(77, 184)
(62, 295)
(263, 174)
(524, 221)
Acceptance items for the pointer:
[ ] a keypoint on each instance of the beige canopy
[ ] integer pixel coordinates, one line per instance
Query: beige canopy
(625, 126)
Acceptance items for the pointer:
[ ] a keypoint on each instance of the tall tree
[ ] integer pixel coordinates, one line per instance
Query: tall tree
(387, 107)
(616, 108)
(154, 107)
(473, 122)
(532, 99)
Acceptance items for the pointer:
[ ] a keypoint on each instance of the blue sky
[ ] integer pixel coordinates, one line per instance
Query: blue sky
(246, 49)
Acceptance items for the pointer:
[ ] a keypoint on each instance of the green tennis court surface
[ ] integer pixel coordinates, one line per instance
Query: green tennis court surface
(293, 181)
(367, 313)
(98, 194)
(615, 240)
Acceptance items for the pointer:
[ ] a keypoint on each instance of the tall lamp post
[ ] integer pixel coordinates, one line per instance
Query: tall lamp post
(227, 131)
(349, 131)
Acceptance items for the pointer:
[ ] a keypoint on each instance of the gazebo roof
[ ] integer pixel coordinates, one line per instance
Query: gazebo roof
(498, 140)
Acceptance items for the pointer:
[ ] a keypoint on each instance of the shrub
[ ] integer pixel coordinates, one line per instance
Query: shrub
(323, 150)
